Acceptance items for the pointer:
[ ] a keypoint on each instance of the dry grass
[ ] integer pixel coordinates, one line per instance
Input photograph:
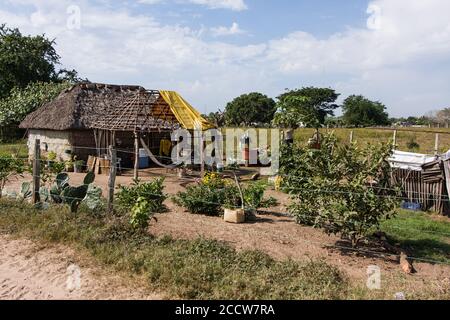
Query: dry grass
(425, 138)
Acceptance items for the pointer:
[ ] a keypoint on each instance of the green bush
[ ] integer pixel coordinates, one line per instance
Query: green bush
(152, 192)
(341, 189)
(201, 199)
(210, 199)
(141, 213)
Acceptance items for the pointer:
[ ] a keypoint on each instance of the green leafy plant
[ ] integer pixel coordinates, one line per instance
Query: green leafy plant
(341, 189)
(152, 192)
(51, 156)
(201, 199)
(213, 194)
(141, 214)
(413, 145)
(62, 192)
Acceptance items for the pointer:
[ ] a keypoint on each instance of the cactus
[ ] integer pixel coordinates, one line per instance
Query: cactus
(25, 190)
(62, 192)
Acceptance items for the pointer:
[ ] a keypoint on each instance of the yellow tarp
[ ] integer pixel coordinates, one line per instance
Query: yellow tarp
(186, 114)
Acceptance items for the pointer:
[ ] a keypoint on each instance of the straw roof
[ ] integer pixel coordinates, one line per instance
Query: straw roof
(102, 106)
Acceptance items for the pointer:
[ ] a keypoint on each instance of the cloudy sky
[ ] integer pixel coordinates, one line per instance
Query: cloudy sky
(395, 51)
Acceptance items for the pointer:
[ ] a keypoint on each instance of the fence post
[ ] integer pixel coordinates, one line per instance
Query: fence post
(351, 137)
(136, 156)
(36, 171)
(395, 139)
(202, 155)
(436, 145)
(112, 177)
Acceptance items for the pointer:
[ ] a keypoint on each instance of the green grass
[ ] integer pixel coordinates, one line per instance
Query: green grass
(423, 137)
(424, 236)
(18, 148)
(199, 269)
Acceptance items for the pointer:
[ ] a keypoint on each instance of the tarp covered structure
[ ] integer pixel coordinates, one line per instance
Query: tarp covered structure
(423, 179)
(409, 160)
(187, 116)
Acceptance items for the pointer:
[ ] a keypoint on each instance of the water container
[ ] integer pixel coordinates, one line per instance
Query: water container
(144, 160)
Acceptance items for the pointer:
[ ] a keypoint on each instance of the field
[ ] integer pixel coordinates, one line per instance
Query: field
(18, 148)
(201, 257)
(424, 138)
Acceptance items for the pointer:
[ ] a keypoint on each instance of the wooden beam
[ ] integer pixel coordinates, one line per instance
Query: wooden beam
(395, 140)
(112, 177)
(436, 145)
(36, 171)
(136, 155)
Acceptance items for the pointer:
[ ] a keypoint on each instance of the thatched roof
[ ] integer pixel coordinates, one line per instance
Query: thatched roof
(102, 106)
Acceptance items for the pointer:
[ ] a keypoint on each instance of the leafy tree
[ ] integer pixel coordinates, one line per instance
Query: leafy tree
(216, 118)
(27, 59)
(362, 112)
(339, 188)
(249, 109)
(443, 116)
(308, 106)
(21, 102)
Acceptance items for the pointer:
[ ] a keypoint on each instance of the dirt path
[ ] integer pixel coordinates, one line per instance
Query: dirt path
(31, 272)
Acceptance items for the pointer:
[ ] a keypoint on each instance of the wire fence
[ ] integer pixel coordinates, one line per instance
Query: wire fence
(372, 191)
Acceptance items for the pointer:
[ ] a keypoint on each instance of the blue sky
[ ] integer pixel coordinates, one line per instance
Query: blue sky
(395, 51)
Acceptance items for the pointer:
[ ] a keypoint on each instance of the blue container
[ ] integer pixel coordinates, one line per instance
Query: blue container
(144, 162)
(413, 206)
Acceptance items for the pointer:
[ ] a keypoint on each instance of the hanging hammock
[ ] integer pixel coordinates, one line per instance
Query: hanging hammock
(155, 160)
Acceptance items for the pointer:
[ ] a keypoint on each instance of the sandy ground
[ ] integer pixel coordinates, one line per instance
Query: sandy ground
(280, 237)
(29, 271)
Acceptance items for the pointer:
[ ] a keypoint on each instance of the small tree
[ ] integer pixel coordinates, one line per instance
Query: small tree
(249, 109)
(21, 102)
(308, 106)
(361, 112)
(341, 189)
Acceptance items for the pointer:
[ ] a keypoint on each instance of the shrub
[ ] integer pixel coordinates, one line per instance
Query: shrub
(151, 192)
(141, 213)
(201, 199)
(413, 145)
(213, 193)
(341, 189)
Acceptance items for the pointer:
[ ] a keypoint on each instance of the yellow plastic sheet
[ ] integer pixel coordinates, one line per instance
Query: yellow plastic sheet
(186, 114)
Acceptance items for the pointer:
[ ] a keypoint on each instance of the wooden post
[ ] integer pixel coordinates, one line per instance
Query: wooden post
(112, 177)
(436, 145)
(351, 136)
(202, 154)
(136, 156)
(395, 140)
(36, 171)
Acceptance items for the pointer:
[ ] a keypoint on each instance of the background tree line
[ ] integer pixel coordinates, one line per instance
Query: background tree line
(315, 107)
(31, 75)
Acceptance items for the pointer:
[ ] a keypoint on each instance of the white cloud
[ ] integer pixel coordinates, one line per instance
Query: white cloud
(227, 31)
(400, 58)
(236, 5)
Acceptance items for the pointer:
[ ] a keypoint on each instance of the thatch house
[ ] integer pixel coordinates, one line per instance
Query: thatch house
(87, 118)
